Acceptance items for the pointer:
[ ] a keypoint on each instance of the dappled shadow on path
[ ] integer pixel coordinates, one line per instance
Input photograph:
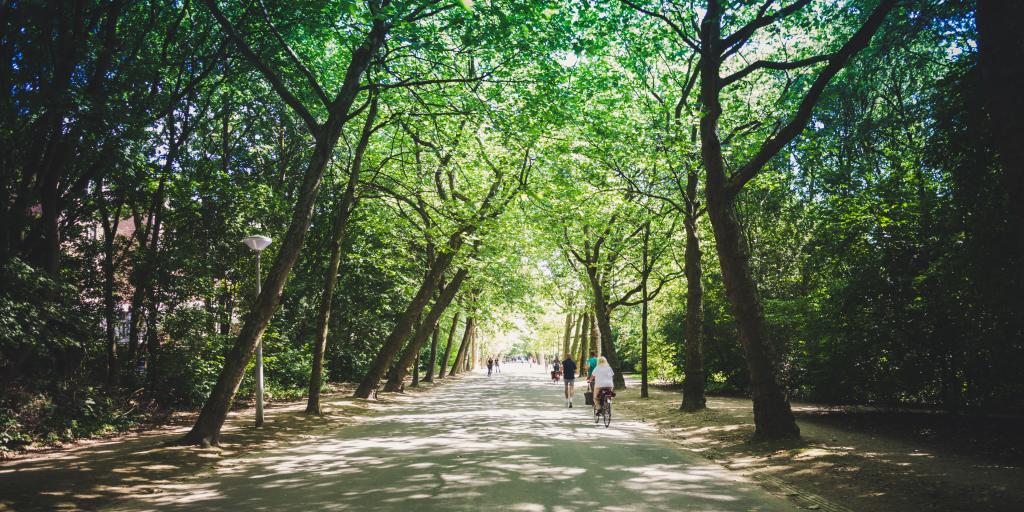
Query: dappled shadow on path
(97, 472)
(504, 442)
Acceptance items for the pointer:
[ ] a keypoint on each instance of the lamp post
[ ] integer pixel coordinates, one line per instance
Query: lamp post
(258, 243)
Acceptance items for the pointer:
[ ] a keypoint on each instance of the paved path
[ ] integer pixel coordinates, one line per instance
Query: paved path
(484, 443)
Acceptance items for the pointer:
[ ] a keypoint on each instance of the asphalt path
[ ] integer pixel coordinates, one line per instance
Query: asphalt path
(505, 442)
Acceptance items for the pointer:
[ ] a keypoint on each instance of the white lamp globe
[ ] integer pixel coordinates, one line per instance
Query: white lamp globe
(257, 242)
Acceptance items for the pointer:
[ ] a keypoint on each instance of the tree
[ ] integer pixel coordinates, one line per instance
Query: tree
(207, 427)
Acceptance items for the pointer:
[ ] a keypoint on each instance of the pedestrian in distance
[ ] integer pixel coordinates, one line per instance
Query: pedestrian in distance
(490, 366)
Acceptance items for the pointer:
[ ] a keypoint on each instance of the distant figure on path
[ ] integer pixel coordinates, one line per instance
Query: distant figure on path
(569, 374)
(601, 378)
(497, 365)
(490, 365)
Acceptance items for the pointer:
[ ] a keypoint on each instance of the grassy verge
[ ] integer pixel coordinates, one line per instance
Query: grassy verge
(870, 461)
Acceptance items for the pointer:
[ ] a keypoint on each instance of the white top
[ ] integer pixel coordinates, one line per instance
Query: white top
(603, 376)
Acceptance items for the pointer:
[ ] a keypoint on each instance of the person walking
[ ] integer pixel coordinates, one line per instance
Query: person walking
(591, 363)
(601, 379)
(490, 365)
(569, 374)
(497, 364)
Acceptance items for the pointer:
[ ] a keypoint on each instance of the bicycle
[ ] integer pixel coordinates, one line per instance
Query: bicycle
(604, 410)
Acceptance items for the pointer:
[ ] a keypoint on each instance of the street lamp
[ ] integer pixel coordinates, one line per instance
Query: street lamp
(258, 243)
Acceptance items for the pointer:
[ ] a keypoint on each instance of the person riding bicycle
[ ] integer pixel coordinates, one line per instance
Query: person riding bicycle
(569, 369)
(601, 378)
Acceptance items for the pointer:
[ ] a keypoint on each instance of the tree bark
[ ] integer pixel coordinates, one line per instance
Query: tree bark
(585, 346)
(608, 349)
(1001, 61)
(400, 332)
(565, 338)
(574, 350)
(458, 366)
(773, 417)
(416, 368)
(206, 430)
(408, 357)
(448, 346)
(432, 355)
(643, 311)
(694, 378)
(109, 224)
(345, 208)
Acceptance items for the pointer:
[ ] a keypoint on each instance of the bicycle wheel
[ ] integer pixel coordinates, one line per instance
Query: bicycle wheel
(607, 413)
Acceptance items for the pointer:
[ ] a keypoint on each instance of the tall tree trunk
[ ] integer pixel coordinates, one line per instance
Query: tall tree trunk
(432, 355)
(345, 208)
(608, 348)
(109, 225)
(408, 357)
(416, 369)
(448, 346)
(1001, 61)
(595, 335)
(565, 338)
(575, 347)
(694, 378)
(773, 417)
(645, 298)
(400, 332)
(460, 357)
(474, 347)
(207, 427)
(585, 345)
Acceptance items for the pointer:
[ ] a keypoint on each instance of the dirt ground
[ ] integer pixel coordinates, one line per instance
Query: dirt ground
(857, 460)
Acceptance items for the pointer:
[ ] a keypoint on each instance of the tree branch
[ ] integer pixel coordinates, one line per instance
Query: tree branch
(275, 81)
(768, 64)
(838, 60)
(732, 43)
(673, 25)
(294, 57)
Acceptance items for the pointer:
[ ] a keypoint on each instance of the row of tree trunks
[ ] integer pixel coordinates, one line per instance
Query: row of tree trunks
(574, 350)
(404, 326)
(344, 213)
(459, 365)
(448, 346)
(408, 357)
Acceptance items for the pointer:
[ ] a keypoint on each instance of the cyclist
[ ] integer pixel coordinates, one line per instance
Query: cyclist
(569, 374)
(601, 378)
(556, 370)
